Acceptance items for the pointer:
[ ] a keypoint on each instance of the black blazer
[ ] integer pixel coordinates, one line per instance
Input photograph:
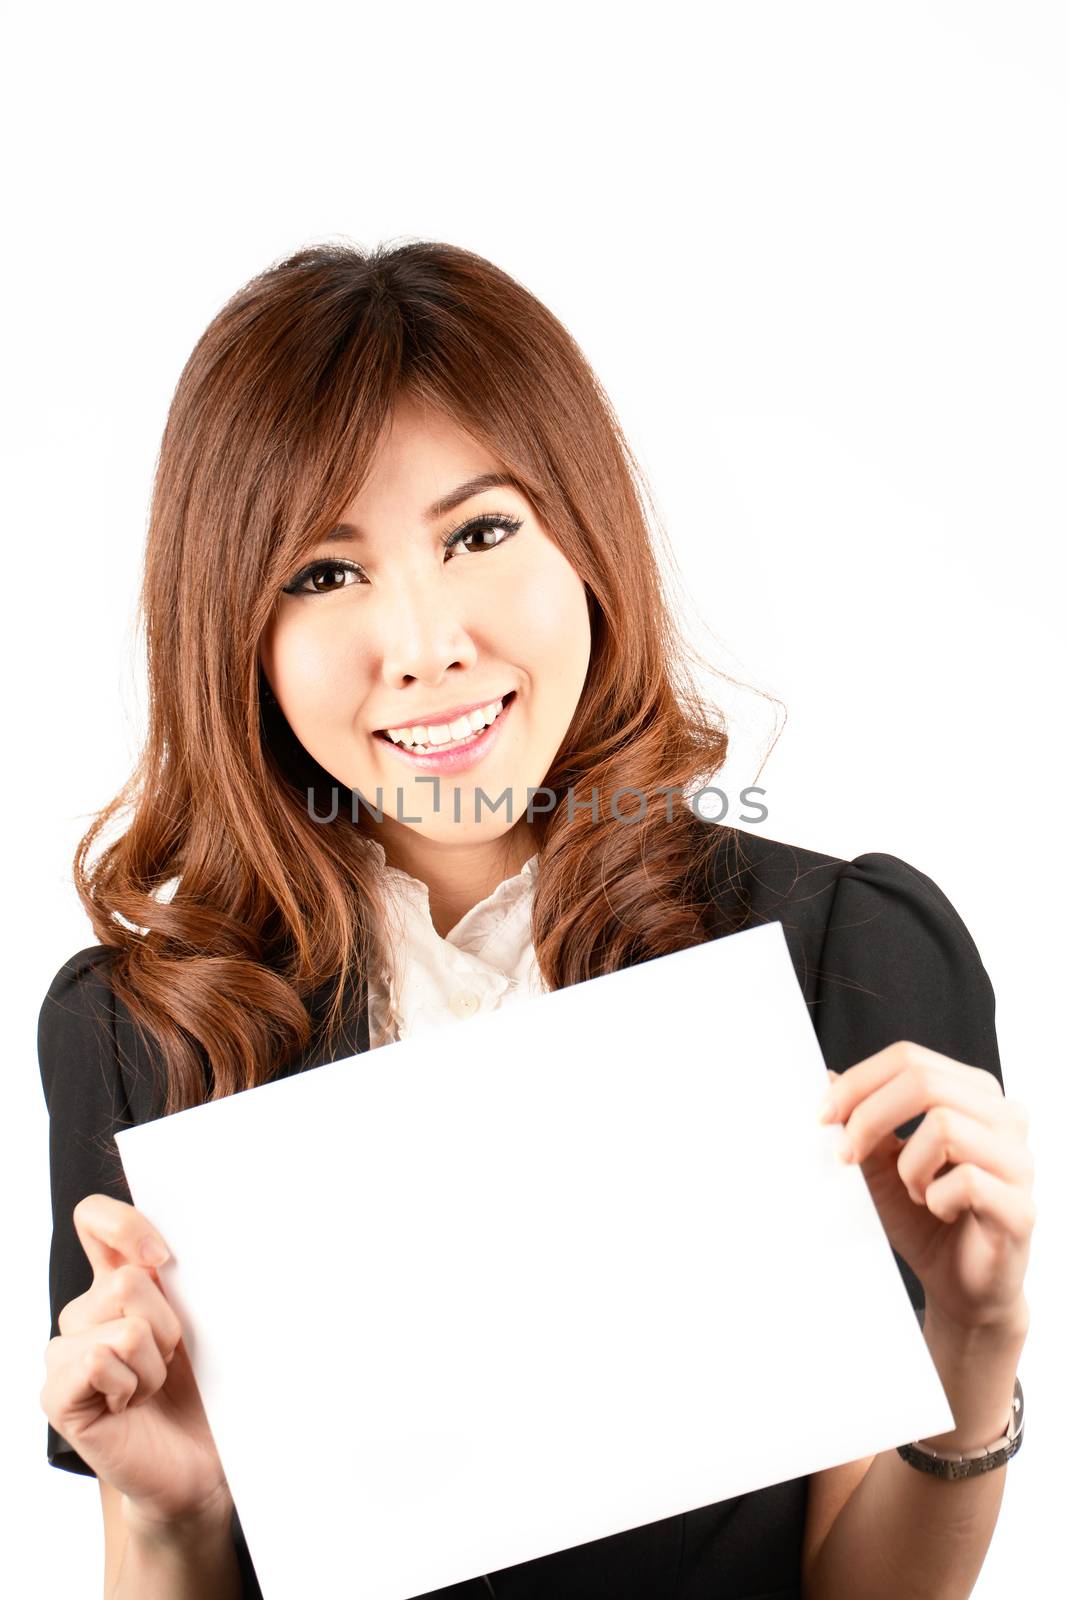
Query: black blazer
(880, 955)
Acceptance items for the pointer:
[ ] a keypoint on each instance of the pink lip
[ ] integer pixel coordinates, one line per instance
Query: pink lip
(459, 759)
(430, 718)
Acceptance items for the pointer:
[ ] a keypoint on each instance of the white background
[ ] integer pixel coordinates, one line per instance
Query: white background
(815, 252)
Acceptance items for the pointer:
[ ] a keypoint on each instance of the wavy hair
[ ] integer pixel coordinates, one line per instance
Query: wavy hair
(271, 430)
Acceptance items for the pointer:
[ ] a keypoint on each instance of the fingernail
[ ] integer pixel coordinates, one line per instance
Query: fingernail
(154, 1252)
(827, 1108)
(845, 1149)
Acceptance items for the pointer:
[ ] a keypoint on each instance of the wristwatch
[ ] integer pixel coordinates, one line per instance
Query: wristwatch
(971, 1462)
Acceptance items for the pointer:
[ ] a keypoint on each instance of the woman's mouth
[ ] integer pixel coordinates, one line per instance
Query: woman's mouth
(459, 753)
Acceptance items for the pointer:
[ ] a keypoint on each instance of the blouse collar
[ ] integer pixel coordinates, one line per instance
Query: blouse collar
(486, 956)
(474, 927)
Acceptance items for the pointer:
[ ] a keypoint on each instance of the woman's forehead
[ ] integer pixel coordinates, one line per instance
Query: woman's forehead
(420, 459)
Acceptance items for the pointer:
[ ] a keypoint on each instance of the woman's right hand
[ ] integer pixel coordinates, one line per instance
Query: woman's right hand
(120, 1387)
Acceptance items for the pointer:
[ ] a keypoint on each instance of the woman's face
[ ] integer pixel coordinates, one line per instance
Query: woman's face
(383, 628)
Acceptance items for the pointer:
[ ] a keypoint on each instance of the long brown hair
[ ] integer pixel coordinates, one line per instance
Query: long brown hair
(271, 431)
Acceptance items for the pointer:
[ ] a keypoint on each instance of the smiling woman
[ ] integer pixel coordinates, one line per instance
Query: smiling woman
(429, 507)
(398, 549)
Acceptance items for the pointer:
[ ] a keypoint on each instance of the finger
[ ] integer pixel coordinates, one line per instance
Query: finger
(946, 1136)
(110, 1376)
(113, 1231)
(135, 1344)
(914, 1088)
(74, 1361)
(968, 1188)
(89, 1375)
(127, 1291)
(847, 1089)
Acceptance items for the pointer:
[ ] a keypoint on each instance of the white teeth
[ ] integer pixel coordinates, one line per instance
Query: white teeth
(444, 733)
(447, 732)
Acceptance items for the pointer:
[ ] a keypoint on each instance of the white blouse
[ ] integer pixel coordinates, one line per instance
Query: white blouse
(486, 960)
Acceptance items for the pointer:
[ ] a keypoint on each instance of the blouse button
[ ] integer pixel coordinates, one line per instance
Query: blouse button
(464, 1003)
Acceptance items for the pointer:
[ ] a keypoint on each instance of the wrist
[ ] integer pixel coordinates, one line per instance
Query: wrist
(190, 1528)
(1000, 1334)
(977, 1367)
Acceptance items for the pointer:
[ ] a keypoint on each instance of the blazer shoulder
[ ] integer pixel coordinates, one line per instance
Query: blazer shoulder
(779, 871)
(823, 900)
(753, 879)
(77, 1005)
(85, 1032)
(81, 975)
(774, 878)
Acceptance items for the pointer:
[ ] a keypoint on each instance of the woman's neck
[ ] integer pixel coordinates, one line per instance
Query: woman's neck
(457, 876)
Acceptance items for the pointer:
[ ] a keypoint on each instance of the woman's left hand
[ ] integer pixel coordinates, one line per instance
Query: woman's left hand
(955, 1196)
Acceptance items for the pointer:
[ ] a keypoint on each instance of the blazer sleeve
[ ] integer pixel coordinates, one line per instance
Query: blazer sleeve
(86, 1098)
(89, 1096)
(898, 962)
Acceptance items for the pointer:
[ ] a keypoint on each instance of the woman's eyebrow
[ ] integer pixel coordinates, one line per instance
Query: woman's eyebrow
(439, 508)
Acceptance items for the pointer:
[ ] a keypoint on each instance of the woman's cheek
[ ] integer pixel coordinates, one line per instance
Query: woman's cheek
(307, 668)
(548, 609)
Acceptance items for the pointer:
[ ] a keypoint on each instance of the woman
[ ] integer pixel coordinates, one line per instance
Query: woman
(391, 492)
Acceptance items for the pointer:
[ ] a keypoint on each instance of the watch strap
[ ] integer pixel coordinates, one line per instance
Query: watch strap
(970, 1463)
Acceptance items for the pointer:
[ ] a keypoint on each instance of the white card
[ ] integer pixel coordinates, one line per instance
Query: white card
(540, 1276)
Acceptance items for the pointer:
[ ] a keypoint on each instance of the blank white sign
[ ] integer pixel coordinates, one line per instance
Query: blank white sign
(546, 1274)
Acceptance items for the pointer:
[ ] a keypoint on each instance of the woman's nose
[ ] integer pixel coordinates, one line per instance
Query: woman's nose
(422, 631)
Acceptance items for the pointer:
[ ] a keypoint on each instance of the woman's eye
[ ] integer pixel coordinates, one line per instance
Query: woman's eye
(501, 527)
(339, 570)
